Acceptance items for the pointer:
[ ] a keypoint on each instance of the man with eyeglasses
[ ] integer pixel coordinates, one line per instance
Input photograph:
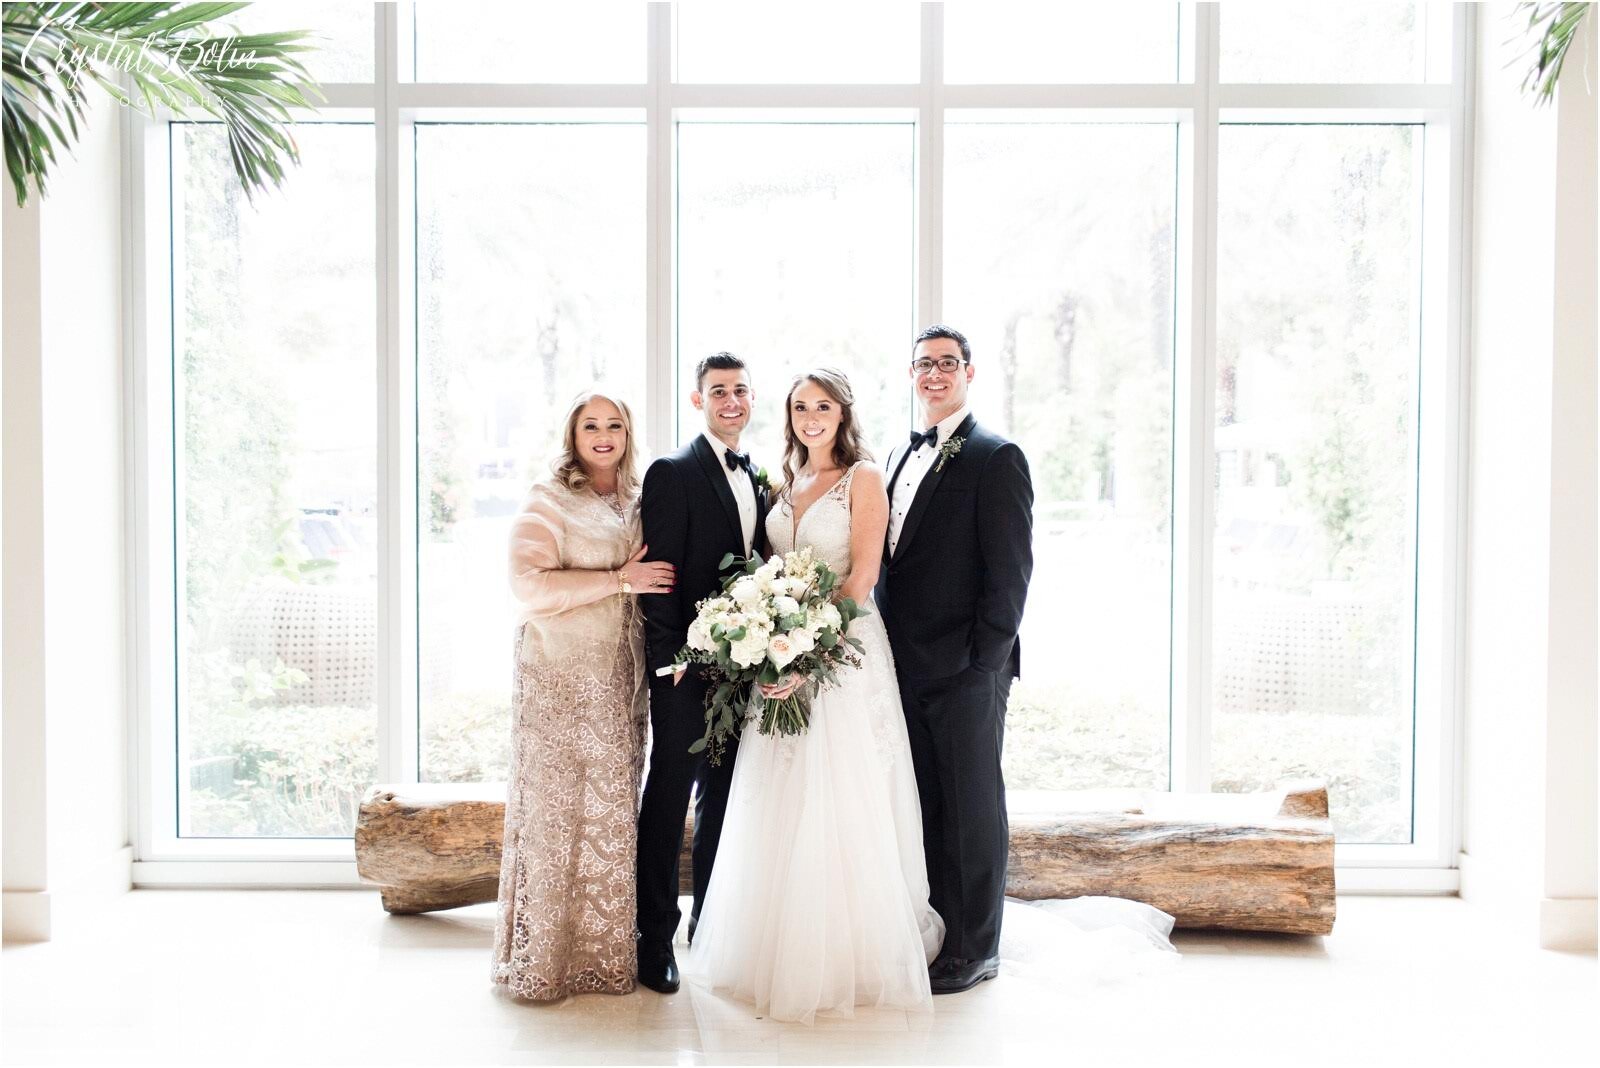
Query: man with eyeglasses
(954, 577)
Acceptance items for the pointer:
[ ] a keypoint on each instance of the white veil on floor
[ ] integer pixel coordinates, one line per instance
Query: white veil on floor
(1085, 941)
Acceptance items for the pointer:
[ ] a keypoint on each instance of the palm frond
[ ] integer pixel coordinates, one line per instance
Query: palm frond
(1553, 28)
(149, 56)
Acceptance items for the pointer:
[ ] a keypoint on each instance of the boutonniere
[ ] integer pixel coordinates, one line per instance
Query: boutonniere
(951, 446)
(763, 481)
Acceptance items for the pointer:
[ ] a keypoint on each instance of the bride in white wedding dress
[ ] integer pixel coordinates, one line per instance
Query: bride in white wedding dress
(819, 898)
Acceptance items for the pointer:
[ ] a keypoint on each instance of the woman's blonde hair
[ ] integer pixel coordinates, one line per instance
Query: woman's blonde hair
(848, 444)
(568, 469)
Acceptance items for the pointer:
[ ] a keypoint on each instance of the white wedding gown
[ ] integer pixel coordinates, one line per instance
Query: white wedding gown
(819, 898)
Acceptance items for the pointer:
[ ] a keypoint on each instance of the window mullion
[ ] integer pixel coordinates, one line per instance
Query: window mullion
(151, 446)
(1437, 708)
(660, 351)
(930, 170)
(396, 676)
(1194, 416)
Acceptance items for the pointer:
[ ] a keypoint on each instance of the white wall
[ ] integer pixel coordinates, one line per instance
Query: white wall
(83, 454)
(23, 868)
(1528, 834)
(1567, 910)
(63, 646)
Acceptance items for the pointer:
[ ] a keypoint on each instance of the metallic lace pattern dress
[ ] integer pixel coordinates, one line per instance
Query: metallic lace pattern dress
(566, 905)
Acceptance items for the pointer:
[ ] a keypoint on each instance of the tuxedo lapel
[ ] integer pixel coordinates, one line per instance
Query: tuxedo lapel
(712, 467)
(930, 483)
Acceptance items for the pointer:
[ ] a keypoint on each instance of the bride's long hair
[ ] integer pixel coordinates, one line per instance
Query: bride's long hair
(848, 445)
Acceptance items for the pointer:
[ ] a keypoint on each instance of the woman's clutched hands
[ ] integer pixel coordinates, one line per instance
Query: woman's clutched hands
(777, 691)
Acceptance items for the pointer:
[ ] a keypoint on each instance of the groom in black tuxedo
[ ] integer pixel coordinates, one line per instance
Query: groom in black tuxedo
(697, 505)
(955, 573)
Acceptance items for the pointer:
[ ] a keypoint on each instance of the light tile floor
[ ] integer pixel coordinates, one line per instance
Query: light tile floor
(297, 977)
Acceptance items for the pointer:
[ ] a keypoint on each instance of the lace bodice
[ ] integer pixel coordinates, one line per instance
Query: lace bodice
(825, 525)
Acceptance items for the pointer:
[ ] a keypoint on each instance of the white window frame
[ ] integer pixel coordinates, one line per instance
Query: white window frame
(1198, 104)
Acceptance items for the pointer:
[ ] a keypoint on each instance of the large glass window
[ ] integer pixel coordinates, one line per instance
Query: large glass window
(824, 41)
(275, 377)
(1351, 41)
(792, 190)
(1064, 286)
(530, 288)
(1035, 43)
(474, 41)
(341, 34)
(1314, 558)
(795, 250)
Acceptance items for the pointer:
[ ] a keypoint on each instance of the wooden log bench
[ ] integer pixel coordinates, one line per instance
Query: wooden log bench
(1255, 862)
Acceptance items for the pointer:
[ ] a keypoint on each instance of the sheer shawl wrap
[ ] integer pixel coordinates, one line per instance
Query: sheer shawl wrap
(565, 548)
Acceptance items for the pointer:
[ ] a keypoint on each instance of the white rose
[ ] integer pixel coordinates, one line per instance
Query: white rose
(781, 650)
(750, 651)
(700, 638)
(803, 640)
(829, 613)
(784, 605)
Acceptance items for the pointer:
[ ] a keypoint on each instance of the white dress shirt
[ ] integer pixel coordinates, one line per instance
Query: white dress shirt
(744, 492)
(917, 466)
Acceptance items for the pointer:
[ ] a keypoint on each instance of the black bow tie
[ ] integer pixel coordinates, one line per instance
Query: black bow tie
(929, 437)
(736, 460)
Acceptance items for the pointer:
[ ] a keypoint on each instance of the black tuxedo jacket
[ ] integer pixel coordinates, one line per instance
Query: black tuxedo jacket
(952, 593)
(689, 519)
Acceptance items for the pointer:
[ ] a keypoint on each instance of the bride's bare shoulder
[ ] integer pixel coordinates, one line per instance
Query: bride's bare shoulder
(866, 477)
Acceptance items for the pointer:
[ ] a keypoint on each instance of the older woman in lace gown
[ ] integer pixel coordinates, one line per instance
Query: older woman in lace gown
(566, 913)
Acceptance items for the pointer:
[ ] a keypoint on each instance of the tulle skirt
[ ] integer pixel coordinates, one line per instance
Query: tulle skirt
(819, 898)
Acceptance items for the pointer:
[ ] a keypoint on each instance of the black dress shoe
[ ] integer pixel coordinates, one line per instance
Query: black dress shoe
(658, 968)
(951, 975)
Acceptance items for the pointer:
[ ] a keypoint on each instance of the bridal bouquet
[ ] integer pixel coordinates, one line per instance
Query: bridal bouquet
(772, 617)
